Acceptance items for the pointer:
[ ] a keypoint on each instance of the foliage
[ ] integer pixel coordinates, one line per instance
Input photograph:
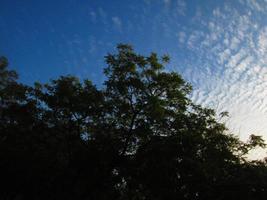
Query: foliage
(139, 137)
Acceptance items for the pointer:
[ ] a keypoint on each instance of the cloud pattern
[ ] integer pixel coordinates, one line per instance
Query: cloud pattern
(230, 69)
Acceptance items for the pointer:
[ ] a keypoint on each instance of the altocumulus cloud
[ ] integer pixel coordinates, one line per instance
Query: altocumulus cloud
(230, 69)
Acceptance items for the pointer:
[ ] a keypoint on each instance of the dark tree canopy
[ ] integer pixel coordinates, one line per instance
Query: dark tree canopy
(139, 137)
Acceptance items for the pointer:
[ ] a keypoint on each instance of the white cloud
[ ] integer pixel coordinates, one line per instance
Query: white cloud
(230, 70)
(181, 37)
(93, 16)
(166, 2)
(117, 22)
(262, 41)
(181, 7)
(255, 5)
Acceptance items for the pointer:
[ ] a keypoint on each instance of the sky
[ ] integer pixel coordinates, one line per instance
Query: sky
(220, 47)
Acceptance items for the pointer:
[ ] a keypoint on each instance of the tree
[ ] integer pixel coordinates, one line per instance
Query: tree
(138, 137)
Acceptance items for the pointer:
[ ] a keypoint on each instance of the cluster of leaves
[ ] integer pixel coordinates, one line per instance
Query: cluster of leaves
(139, 137)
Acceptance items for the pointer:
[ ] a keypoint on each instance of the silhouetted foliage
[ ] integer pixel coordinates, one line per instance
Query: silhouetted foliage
(139, 137)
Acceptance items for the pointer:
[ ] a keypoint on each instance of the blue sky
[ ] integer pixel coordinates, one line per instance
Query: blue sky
(218, 46)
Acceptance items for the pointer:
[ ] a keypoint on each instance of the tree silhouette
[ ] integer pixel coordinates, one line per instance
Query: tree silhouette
(138, 137)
